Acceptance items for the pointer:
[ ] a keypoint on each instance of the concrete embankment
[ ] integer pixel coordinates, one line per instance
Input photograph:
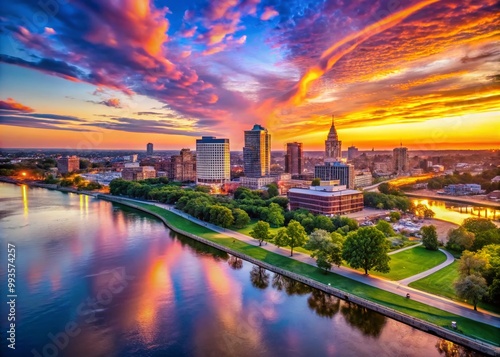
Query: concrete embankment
(46, 185)
(453, 336)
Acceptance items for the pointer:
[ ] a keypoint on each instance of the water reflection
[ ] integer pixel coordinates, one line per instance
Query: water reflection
(449, 349)
(235, 262)
(456, 212)
(25, 199)
(259, 277)
(368, 322)
(323, 304)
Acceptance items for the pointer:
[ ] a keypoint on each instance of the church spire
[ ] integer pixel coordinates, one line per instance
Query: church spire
(332, 135)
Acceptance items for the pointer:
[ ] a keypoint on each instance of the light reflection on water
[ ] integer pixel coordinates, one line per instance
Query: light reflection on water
(456, 212)
(129, 286)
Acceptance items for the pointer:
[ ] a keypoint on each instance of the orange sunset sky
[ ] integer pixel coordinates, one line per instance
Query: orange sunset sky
(119, 74)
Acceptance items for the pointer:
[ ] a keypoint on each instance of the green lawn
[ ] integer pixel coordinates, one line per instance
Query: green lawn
(441, 283)
(428, 313)
(410, 262)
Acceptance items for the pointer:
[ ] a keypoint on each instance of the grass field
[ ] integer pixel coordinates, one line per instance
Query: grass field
(410, 262)
(425, 312)
(441, 283)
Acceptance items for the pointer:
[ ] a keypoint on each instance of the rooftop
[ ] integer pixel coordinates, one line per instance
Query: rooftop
(324, 193)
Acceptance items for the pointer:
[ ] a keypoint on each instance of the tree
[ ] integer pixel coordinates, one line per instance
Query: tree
(459, 239)
(261, 232)
(472, 263)
(272, 190)
(259, 277)
(221, 216)
(323, 222)
(428, 213)
(429, 237)
(316, 182)
(326, 248)
(367, 248)
(477, 225)
(241, 218)
(275, 215)
(386, 228)
(485, 238)
(294, 235)
(395, 216)
(471, 288)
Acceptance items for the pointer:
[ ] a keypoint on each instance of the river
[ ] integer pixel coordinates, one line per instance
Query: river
(98, 279)
(457, 212)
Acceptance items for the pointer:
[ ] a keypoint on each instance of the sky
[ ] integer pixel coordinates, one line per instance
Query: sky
(116, 74)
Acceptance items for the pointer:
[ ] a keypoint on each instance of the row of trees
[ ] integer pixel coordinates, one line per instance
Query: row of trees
(365, 248)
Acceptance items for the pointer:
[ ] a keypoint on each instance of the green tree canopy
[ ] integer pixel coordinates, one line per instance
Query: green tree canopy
(294, 235)
(429, 237)
(367, 248)
(385, 227)
(459, 239)
(261, 232)
(275, 215)
(241, 218)
(471, 288)
(477, 225)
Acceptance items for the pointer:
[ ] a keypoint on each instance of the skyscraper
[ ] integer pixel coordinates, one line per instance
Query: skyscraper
(149, 149)
(400, 160)
(333, 147)
(293, 158)
(257, 152)
(212, 161)
(336, 171)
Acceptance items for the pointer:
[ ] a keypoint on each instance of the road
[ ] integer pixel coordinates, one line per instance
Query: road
(454, 307)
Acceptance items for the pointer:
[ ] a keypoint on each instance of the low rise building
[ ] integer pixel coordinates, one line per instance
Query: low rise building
(68, 164)
(327, 200)
(363, 179)
(463, 189)
(138, 173)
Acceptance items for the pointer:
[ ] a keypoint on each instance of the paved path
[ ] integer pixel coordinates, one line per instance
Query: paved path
(449, 259)
(441, 303)
(403, 249)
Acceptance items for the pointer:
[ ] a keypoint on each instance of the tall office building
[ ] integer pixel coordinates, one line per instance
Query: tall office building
(68, 164)
(400, 160)
(336, 171)
(212, 161)
(293, 158)
(257, 152)
(352, 153)
(149, 149)
(333, 147)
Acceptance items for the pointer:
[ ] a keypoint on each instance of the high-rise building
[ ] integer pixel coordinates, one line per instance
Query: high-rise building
(352, 153)
(257, 152)
(333, 147)
(67, 164)
(149, 149)
(336, 171)
(182, 167)
(400, 160)
(212, 161)
(293, 158)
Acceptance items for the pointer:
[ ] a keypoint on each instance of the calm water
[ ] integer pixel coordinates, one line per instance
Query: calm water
(97, 279)
(456, 212)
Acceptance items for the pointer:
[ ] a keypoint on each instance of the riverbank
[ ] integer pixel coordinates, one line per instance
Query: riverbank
(418, 315)
(46, 186)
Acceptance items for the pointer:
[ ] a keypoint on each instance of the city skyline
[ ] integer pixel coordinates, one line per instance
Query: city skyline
(424, 73)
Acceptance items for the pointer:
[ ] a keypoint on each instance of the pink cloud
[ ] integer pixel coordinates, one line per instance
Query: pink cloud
(269, 13)
(11, 104)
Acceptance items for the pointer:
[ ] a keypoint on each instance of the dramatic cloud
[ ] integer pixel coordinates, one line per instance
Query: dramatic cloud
(221, 66)
(11, 104)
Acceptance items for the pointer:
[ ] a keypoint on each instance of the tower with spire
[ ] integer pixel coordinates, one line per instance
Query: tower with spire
(333, 146)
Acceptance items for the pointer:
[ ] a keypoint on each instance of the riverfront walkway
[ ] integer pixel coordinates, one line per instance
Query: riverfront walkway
(399, 288)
